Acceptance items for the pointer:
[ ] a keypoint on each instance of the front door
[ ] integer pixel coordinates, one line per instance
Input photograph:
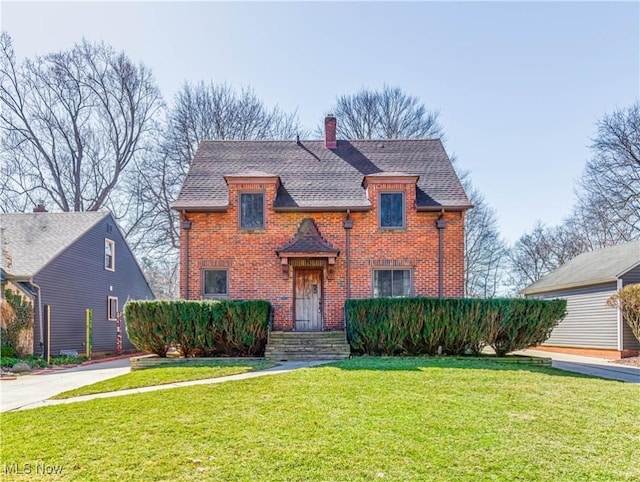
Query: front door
(308, 299)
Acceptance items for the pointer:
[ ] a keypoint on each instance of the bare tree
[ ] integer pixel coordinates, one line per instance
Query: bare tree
(391, 114)
(384, 114)
(607, 210)
(72, 123)
(543, 250)
(609, 190)
(531, 257)
(217, 112)
(485, 251)
(204, 111)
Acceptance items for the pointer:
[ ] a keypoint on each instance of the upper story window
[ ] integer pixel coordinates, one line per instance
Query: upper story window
(252, 210)
(388, 283)
(109, 255)
(215, 283)
(391, 207)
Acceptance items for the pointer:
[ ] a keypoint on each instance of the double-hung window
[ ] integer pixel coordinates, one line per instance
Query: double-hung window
(391, 207)
(215, 283)
(109, 254)
(112, 308)
(391, 283)
(252, 210)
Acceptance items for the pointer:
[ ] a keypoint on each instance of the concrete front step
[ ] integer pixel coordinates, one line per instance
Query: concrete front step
(308, 334)
(310, 349)
(296, 345)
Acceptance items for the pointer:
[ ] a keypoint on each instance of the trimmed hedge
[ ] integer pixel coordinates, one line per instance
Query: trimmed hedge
(198, 328)
(450, 326)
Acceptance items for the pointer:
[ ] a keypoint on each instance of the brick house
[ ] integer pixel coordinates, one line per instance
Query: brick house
(309, 224)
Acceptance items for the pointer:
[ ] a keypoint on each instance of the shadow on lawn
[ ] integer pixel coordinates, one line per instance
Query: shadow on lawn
(373, 363)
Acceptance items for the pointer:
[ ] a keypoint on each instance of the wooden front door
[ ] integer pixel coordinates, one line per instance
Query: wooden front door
(308, 299)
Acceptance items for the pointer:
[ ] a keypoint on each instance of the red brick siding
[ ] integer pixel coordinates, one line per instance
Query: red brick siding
(255, 269)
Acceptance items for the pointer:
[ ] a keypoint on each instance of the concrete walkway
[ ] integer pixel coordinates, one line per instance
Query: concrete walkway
(598, 367)
(28, 389)
(33, 391)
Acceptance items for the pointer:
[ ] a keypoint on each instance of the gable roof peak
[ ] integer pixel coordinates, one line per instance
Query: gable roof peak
(308, 240)
(31, 240)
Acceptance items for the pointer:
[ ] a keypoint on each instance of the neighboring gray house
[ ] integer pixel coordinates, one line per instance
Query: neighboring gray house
(67, 263)
(586, 282)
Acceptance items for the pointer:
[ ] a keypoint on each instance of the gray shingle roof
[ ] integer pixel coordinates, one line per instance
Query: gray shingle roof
(594, 267)
(29, 241)
(314, 177)
(308, 240)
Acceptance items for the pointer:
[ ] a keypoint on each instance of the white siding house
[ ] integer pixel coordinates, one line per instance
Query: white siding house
(586, 282)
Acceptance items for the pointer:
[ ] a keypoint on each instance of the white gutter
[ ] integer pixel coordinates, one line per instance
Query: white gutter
(32, 283)
(620, 318)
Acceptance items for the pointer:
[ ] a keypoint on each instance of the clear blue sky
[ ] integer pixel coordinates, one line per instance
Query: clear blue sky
(519, 85)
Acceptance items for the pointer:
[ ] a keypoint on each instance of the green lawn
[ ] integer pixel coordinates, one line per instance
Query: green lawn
(169, 374)
(362, 419)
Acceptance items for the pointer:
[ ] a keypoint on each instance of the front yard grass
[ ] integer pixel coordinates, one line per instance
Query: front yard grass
(170, 373)
(422, 419)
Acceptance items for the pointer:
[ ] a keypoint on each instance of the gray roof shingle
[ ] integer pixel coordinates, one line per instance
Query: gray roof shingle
(594, 267)
(308, 240)
(29, 241)
(314, 177)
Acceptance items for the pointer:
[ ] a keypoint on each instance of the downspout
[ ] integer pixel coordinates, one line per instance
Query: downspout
(440, 224)
(348, 224)
(40, 322)
(186, 225)
(620, 319)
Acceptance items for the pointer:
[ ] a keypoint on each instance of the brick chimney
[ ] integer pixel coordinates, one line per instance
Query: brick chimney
(40, 208)
(330, 124)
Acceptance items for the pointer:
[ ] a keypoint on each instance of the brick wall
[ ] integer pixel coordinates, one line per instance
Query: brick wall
(255, 270)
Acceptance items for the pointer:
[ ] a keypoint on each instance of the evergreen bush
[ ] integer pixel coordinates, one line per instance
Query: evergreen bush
(450, 326)
(198, 328)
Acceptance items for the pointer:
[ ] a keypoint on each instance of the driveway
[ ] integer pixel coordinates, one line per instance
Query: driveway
(34, 389)
(597, 367)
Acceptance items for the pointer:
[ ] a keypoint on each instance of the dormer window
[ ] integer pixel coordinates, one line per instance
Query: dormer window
(252, 210)
(391, 210)
(109, 255)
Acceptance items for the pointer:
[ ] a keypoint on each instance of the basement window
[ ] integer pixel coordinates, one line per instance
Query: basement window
(215, 283)
(391, 283)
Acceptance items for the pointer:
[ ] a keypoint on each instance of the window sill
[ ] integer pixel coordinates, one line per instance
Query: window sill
(392, 230)
(254, 230)
(215, 297)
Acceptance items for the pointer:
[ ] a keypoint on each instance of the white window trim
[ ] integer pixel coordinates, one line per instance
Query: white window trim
(109, 314)
(111, 243)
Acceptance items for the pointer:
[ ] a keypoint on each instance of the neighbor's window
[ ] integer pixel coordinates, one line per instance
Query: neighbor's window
(252, 210)
(391, 209)
(112, 308)
(109, 255)
(215, 283)
(391, 283)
